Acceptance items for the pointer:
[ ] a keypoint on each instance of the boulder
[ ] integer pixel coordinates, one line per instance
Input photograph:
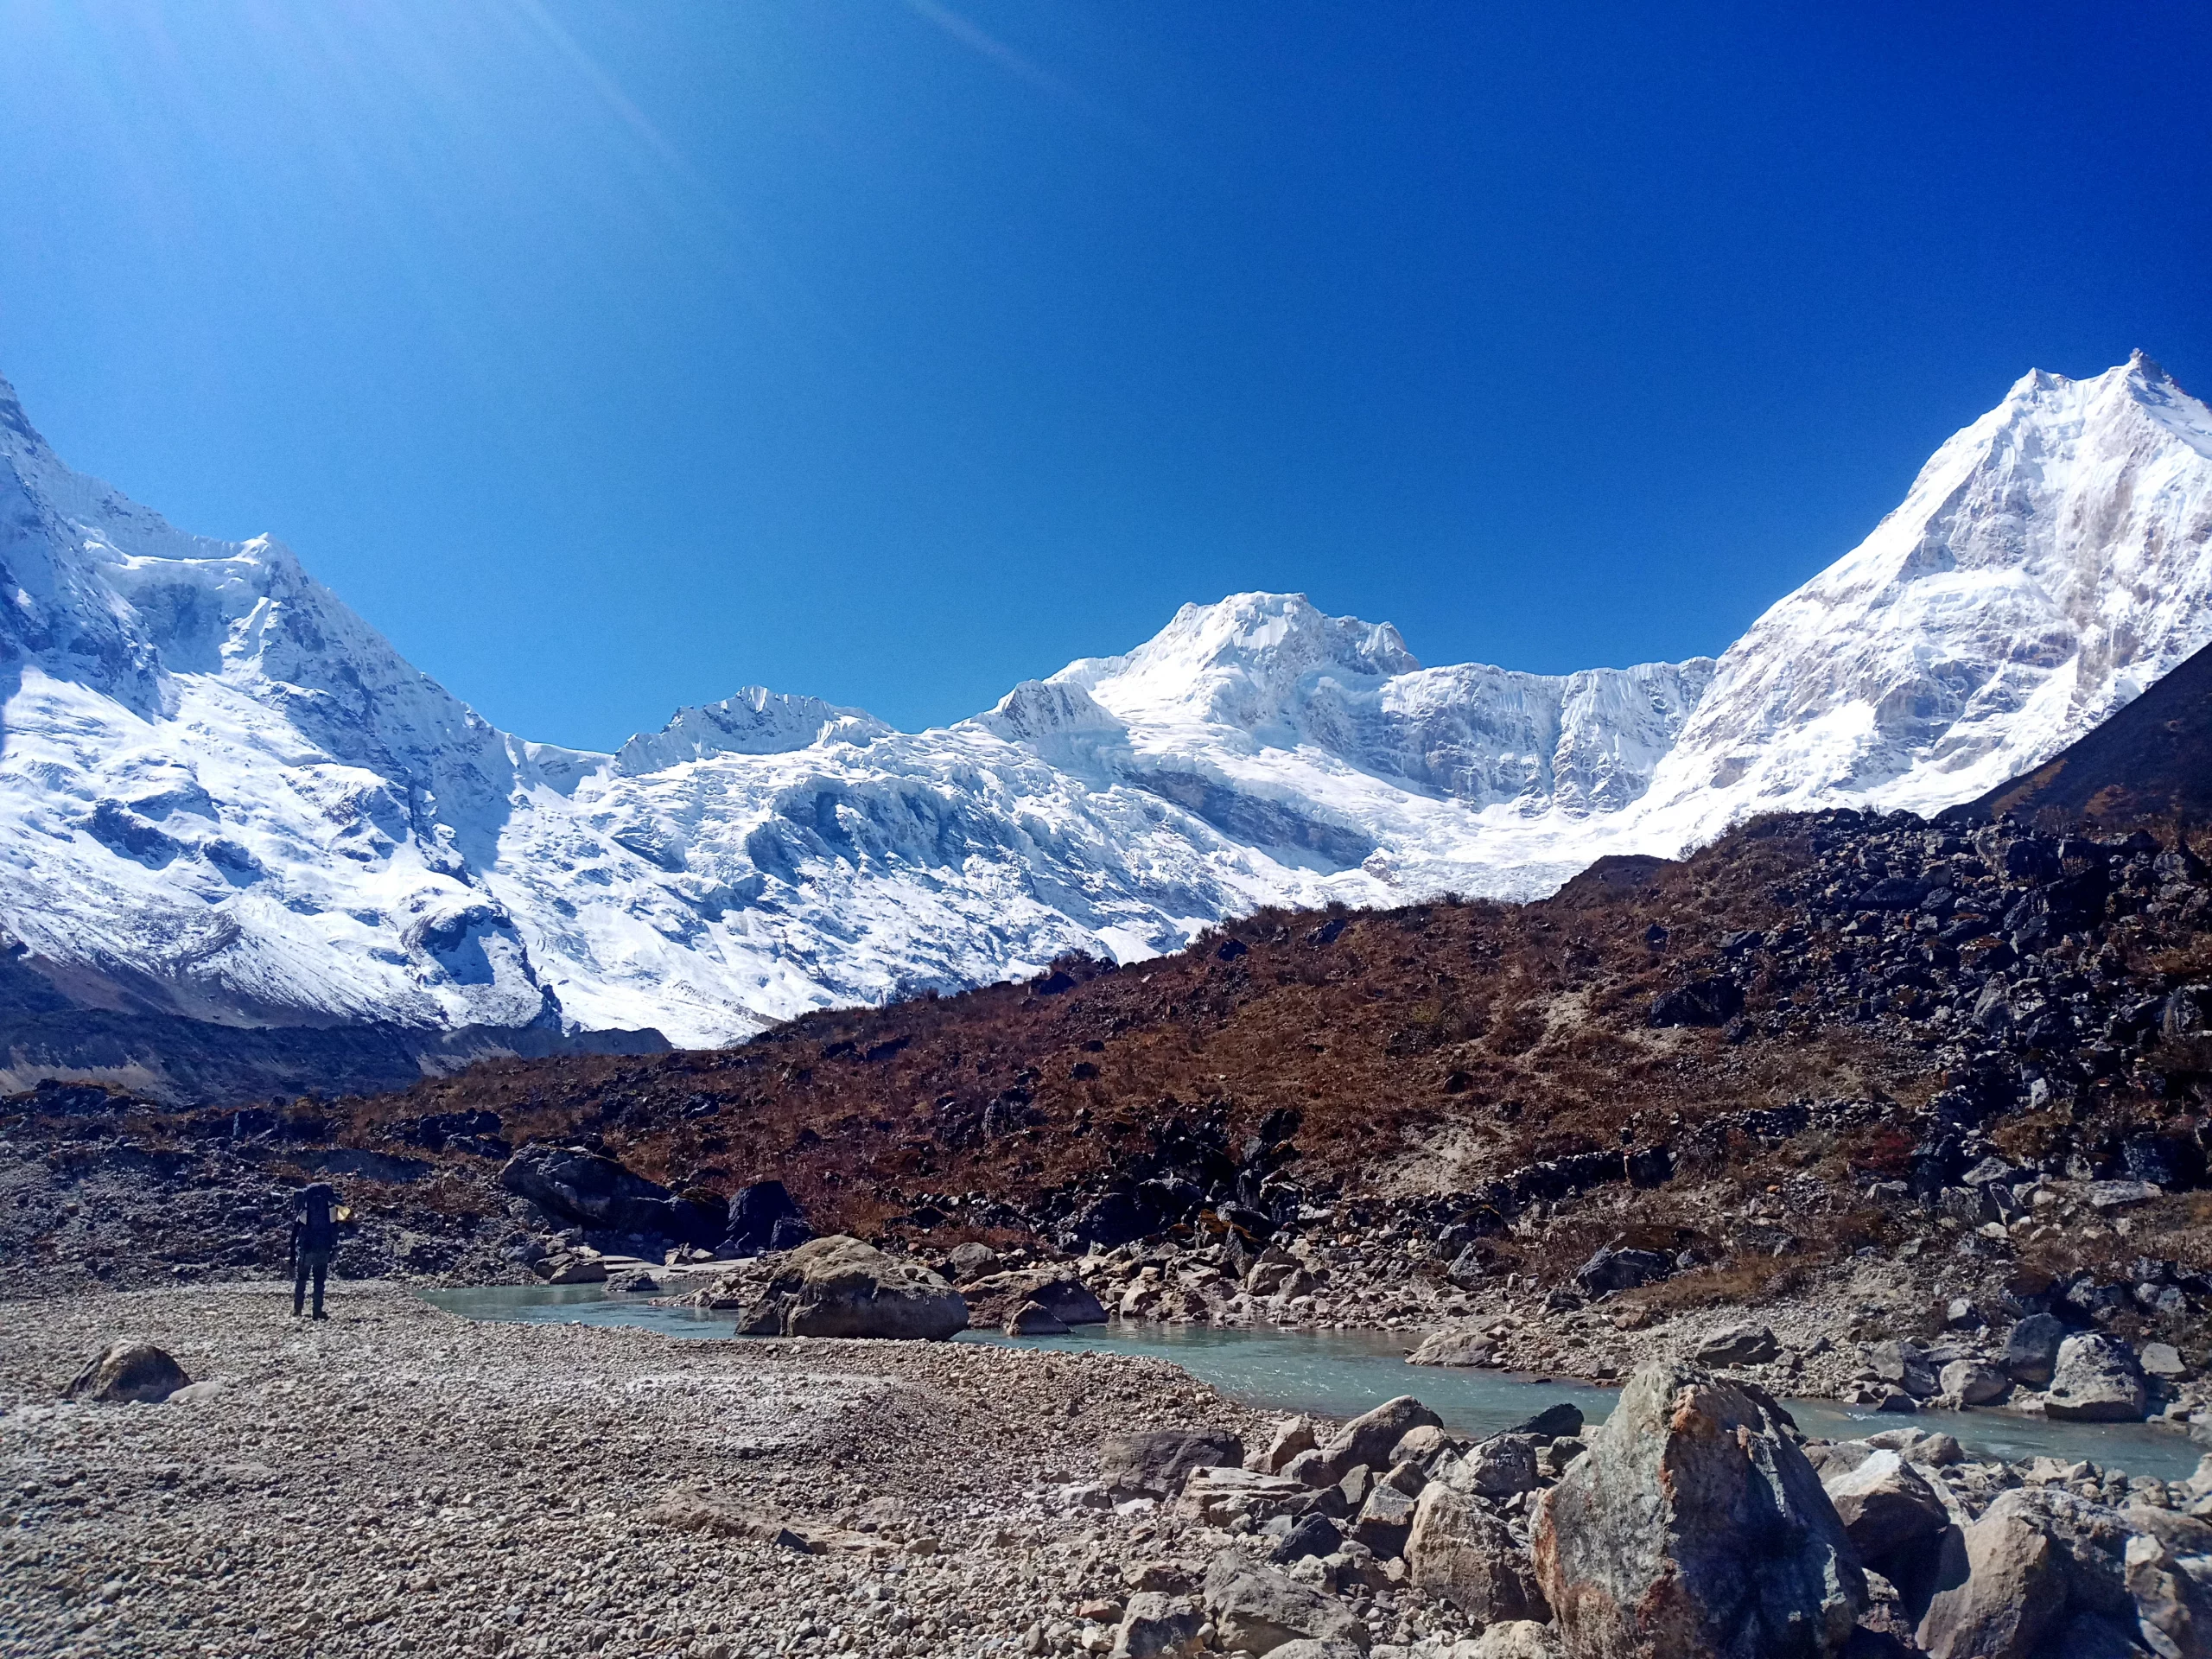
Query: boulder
(1972, 1383)
(1516, 1638)
(1067, 1298)
(1256, 1609)
(1155, 1626)
(1292, 1436)
(1466, 1270)
(127, 1370)
(763, 1216)
(967, 1261)
(1034, 1319)
(1460, 1551)
(1384, 1519)
(1611, 1269)
(839, 1286)
(569, 1268)
(591, 1190)
(2001, 1588)
(1693, 1525)
(1885, 1505)
(1303, 1649)
(2163, 1359)
(1219, 1496)
(1368, 1438)
(1454, 1347)
(1552, 1423)
(2031, 1348)
(1739, 1345)
(2096, 1380)
(1902, 1365)
(1497, 1467)
(1155, 1462)
(1421, 1446)
(1315, 1535)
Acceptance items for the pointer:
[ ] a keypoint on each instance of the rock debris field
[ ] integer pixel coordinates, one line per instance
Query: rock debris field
(397, 1480)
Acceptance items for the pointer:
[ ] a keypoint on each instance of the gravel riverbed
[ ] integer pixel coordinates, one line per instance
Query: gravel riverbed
(397, 1480)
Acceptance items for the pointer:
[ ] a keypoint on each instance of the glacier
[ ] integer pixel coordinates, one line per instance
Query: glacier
(224, 796)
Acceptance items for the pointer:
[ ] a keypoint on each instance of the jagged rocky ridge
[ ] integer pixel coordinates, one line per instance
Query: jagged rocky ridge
(225, 799)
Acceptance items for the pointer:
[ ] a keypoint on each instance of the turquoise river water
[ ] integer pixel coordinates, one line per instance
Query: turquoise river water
(1340, 1374)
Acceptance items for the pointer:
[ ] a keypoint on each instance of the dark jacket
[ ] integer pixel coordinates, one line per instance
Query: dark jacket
(313, 1226)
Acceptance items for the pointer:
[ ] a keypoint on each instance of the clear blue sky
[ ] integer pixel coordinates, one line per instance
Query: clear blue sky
(611, 356)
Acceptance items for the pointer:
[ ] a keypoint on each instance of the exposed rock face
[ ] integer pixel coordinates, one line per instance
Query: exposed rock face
(1693, 1527)
(593, 1190)
(128, 1370)
(1155, 1463)
(1257, 1609)
(1459, 1550)
(2096, 1380)
(839, 1286)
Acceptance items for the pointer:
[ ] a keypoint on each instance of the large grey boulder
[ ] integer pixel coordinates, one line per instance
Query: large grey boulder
(1155, 1462)
(1460, 1551)
(1884, 1505)
(840, 1287)
(1973, 1383)
(1694, 1529)
(2096, 1380)
(1256, 1609)
(2044, 1561)
(1739, 1345)
(1067, 1298)
(1292, 1436)
(1155, 1626)
(1460, 1345)
(591, 1190)
(2001, 1590)
(1497, 1467)
(127, 1370)
(1368, 1438)
(2031, 1348)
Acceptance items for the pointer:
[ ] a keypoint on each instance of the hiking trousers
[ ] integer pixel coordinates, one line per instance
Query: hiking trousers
(316, 1262)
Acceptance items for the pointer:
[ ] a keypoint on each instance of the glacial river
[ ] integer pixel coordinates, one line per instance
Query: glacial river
(1341, 1374)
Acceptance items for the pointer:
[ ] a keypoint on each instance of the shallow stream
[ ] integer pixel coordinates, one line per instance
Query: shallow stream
(1341, 1374)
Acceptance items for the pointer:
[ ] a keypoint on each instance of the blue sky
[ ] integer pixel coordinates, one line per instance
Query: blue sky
(609, 358)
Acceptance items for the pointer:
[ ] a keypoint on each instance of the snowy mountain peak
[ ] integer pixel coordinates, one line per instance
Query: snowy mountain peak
(1242, 662)
(755, 722)
(223, 793)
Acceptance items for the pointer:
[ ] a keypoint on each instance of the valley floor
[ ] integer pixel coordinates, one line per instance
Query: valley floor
(399, 1481)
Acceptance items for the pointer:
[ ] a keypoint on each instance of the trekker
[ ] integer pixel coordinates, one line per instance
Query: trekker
(314, 1235)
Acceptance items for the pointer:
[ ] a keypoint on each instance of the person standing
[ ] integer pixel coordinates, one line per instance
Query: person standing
(314, 1235)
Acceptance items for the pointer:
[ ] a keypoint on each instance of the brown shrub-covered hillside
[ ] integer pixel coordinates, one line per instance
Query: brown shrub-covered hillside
(1423, 1050)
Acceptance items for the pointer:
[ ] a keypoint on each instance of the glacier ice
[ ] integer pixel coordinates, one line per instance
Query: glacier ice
(223, 794)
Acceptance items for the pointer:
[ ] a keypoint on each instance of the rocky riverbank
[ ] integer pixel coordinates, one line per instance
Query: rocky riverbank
(399, 1481)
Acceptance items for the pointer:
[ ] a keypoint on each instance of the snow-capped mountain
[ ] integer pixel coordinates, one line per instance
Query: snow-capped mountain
(223, 795)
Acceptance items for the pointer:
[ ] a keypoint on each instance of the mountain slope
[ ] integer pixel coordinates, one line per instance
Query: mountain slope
(2151, 761)
(224, 797)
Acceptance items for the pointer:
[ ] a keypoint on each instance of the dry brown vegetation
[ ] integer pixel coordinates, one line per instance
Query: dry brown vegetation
(1424, 1048)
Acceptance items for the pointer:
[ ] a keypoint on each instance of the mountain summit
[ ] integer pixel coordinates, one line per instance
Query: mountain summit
(224, 795)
